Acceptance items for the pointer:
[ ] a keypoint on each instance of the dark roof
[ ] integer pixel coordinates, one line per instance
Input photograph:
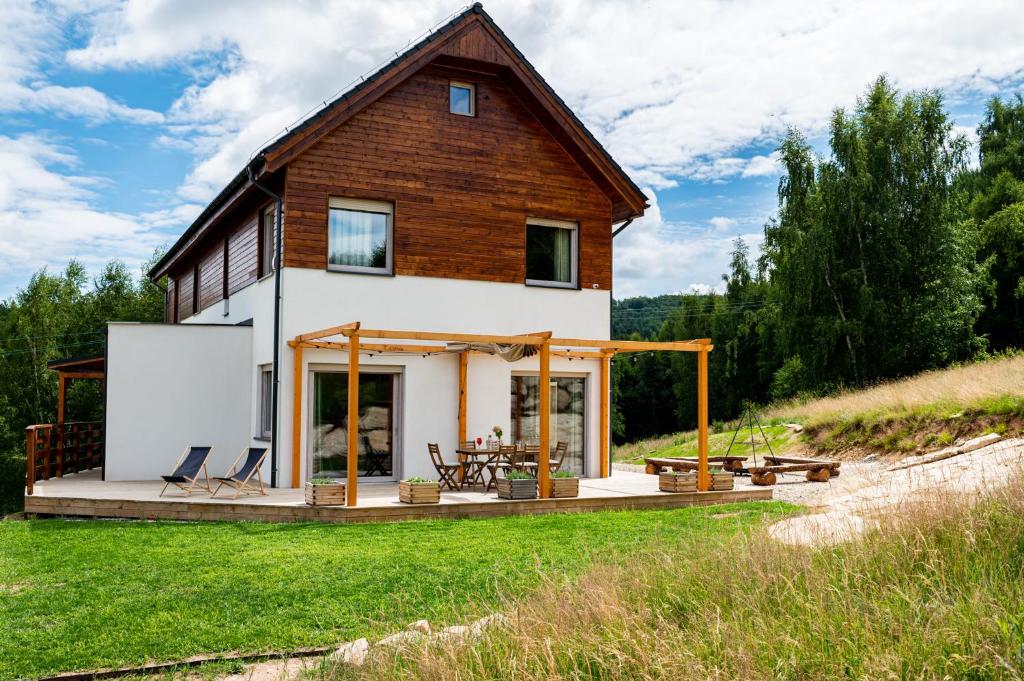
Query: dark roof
(242, 178)
(83, 363)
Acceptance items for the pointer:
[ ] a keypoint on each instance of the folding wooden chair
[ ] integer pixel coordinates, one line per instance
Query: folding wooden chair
(447, 472)
(504, 462)
(239, 477)
(559, 456)
(187, 469)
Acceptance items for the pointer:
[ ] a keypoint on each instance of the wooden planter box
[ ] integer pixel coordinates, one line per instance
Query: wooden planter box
(563, 488)
(325, 495)
(419, 492)
(517, 489)
(721, 481)
(675, 481)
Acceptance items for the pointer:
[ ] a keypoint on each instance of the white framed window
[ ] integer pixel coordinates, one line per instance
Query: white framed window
(266, 400)
(268, 216)
(359, 236)
(462, 98)
(551, 253)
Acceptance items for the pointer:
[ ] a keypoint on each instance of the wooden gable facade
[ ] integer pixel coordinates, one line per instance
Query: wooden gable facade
(461, 187)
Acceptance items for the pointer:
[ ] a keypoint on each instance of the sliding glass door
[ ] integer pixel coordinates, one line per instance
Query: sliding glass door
(377, 425)
(568, 414)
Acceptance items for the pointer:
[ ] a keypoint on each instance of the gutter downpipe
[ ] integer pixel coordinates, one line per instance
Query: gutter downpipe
(279, 220)
(611, 362)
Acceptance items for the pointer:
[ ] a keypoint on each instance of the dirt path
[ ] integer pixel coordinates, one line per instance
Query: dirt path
(846, 506)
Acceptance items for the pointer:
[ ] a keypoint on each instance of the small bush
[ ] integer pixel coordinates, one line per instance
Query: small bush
(518, 475)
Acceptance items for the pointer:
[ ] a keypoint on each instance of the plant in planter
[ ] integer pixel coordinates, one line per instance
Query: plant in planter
(721, 479)
(517, 485)
(677, 481)
(325, 492)
(419, 490)
(564, 484)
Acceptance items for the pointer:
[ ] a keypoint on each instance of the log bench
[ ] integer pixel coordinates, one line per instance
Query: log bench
(654, 464)
(817, 471)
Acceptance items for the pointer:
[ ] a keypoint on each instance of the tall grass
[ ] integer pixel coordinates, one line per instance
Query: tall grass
(971, 385)
(936, 592)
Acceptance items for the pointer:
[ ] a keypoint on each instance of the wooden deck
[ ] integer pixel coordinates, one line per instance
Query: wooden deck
(85, 495)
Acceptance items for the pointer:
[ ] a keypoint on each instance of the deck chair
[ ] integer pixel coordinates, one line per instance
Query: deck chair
(240, 477)
(186, 471)
(447, 472)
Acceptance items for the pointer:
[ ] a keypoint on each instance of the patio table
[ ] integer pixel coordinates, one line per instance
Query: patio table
(474, 463)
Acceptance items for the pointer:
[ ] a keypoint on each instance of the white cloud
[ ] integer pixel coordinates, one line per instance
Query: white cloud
(48, 216)
(29, 38)
(721, 223)
(651, 259)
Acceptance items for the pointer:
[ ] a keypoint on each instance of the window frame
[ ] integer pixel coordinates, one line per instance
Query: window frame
(376, 207)
(574, 252)
(265, 237)
(266, 401)
(472, 97)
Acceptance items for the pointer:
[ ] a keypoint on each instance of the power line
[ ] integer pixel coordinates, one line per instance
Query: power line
(14, 353)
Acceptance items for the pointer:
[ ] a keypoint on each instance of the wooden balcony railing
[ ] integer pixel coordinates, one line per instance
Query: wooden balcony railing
(53, 450)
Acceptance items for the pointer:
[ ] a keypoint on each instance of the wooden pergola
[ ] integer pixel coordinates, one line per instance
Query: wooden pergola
(75, 368)
(391, 341)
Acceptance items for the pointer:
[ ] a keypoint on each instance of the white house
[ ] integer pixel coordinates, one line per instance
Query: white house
(452, 192)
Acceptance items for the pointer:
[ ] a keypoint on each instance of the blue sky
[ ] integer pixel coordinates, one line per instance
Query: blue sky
(120, 120)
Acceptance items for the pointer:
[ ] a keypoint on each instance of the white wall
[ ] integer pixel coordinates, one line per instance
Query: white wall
(153, 368)
(315, 299)
(171, 386)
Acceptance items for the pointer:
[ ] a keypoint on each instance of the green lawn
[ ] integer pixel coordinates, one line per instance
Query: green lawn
(80, 595)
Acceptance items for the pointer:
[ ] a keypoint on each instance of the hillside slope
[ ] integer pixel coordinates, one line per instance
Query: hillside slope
(890, 420)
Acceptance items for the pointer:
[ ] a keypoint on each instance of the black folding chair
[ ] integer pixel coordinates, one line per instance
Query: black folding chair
(240, 477)
(377, 462)
(187, 469)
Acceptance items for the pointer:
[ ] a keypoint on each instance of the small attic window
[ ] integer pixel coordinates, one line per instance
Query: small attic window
(462, 98)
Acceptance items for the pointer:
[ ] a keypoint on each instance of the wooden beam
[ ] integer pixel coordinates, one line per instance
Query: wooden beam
(630, 346)
(343, 329)
(352, 428)
(544, 457)
(372, 347)
(604, 451)
(452, 337)
(582, 354)
(297, 418)
(97, 375)
(703, 475)
(463, 394)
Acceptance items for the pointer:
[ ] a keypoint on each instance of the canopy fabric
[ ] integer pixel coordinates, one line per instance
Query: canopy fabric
(509, 353)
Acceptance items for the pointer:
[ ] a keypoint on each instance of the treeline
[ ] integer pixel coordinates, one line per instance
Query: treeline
(893, 255)
(56, 316)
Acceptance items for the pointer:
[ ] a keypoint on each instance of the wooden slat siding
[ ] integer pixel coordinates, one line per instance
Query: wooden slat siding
(185, 285)
(462, 186)
(211, 276)
(242, 254)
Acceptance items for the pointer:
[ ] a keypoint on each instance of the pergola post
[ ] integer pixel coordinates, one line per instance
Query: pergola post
(544, 456)
(604, 450)
(463, 394)
(353, 420)
(297, 417)
(62, 393)
(703, 475)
